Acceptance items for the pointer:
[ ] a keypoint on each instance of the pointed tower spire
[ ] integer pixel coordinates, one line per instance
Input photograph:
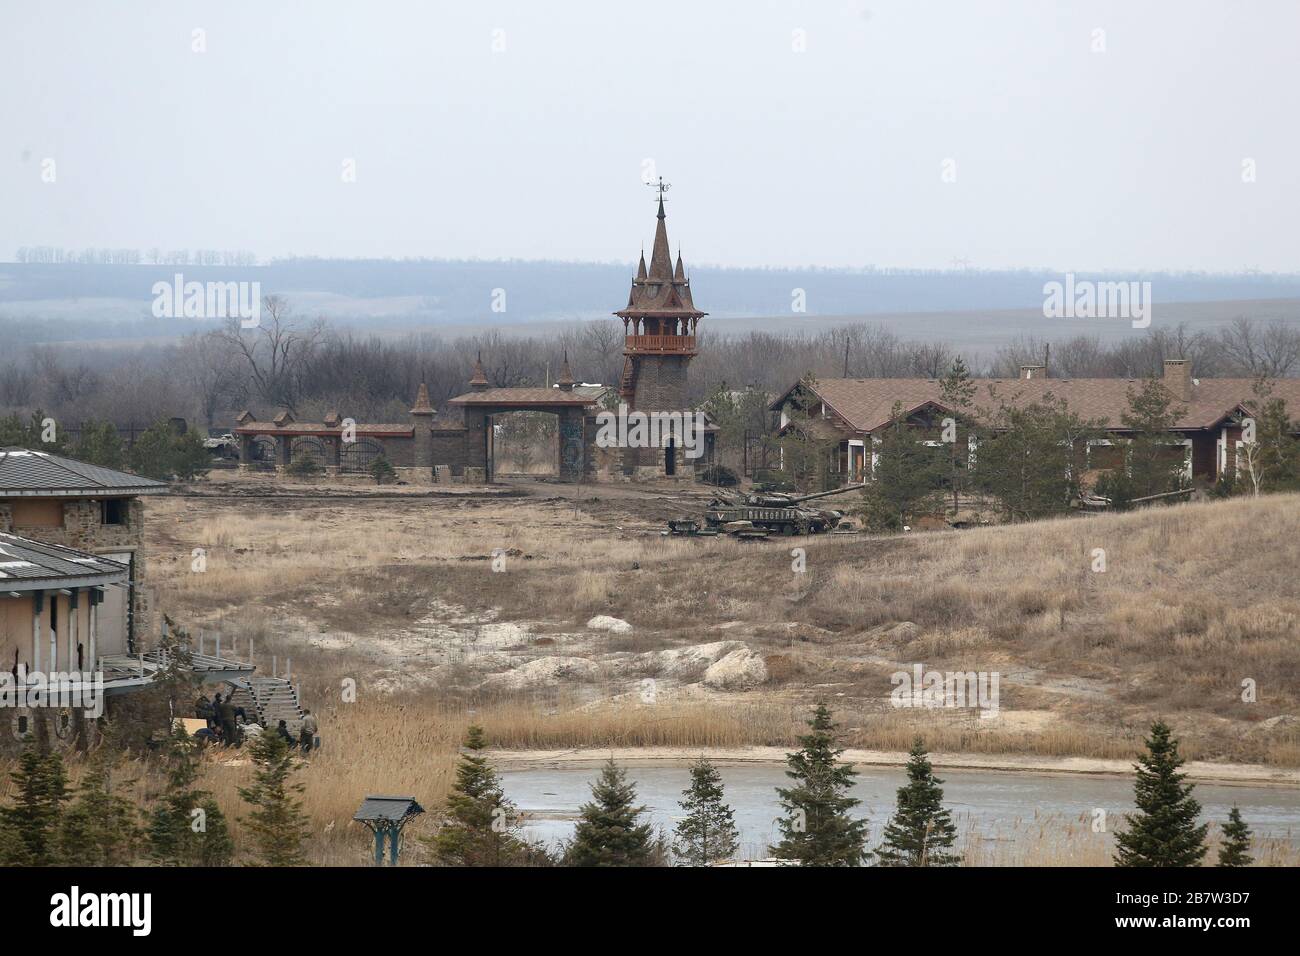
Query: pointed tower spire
(422, 406)
(640, 270)
(661, 259)
(565, 381)
(679, 274)
(479, 381)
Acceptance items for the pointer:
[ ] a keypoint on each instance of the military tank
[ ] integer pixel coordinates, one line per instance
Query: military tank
(759, 514)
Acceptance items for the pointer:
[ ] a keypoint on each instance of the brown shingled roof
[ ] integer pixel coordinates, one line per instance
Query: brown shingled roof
(520, 396)
(664, 291)
(867, 404)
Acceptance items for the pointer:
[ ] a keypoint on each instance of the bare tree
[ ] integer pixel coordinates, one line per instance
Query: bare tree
(276, 351)
(1272, 351)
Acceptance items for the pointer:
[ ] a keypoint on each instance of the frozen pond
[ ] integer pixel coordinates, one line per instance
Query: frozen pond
(1004, 818)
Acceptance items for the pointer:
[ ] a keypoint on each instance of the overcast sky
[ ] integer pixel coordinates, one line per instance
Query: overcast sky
(1064, 156)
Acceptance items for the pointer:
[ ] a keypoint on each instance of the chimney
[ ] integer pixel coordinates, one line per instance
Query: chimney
(1178, 379)
(1033, 371)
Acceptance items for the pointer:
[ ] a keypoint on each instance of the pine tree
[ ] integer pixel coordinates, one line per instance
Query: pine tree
(42, 789)
(99, 827)
(906, 479)
(1235, 849)
(608, 833)
(100, 444)
(152, 453)
(1032, 457)
(817, 829)
(921, 832)
(187, 828)
(479, 826)
(957, 393)
(1153, 467)
(381, 469)
(1164, 831)
(190, 459)
(707, 833)
(277, 822)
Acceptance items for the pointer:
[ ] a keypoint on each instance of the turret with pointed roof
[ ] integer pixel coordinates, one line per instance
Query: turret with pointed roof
(659, 325)
(660, 301)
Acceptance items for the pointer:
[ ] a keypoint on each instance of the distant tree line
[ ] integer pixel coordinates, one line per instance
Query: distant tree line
(133, 257)
(309, 367)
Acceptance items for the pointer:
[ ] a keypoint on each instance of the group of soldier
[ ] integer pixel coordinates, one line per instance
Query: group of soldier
(225, 722)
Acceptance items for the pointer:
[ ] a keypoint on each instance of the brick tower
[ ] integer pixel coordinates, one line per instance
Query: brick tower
(659, 325)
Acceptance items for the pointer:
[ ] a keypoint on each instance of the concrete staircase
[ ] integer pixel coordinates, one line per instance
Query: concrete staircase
(269, 700)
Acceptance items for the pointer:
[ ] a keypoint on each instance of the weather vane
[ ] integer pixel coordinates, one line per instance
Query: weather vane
(661, 186)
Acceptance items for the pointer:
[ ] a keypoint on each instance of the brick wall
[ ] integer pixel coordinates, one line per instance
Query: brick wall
(660, 383)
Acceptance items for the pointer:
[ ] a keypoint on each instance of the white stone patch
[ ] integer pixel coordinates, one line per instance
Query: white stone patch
(739, 670)
(603, 622)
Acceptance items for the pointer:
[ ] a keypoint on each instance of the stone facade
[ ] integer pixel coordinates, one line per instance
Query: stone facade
(84, 528)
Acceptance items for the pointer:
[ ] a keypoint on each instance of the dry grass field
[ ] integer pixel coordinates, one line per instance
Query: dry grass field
(399, 594)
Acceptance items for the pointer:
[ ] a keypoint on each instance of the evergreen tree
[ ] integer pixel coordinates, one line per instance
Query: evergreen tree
(187, 828)
(190, 459)
(99, 827)
(1164, 831)
(1155, 453)
(1272, 461)
(1235, 849)
(303, 466)
(907, 476)
(921, 832)
(381, 469)
(100, 444)
(957, 393)
(608, 833)
(1031, 459)
(32, 433)
(707, 834)
(817, 829)
(277, 822)
(479, 825)
(42, 789)
(153, 453)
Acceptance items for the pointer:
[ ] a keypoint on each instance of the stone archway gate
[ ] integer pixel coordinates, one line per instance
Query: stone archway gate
(577, 426)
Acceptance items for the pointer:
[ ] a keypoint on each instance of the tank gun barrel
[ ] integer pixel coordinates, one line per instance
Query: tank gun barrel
(833, 491)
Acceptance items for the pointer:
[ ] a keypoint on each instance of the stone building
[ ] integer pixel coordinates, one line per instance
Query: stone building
(659, 323)
(98, 511)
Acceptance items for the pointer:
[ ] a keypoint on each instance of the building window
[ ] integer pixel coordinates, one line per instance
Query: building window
(116, 511)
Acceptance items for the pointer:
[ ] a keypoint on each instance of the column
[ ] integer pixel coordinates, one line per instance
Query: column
(54, 635)
(38, 608)
(73, 607)
(95, 597)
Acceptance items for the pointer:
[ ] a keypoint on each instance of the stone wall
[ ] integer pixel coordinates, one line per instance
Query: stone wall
(84, 530)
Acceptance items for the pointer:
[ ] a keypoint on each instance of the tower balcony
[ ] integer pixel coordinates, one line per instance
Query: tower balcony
(659, 344)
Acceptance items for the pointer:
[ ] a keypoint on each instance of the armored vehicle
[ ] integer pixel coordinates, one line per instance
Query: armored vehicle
(763, 513)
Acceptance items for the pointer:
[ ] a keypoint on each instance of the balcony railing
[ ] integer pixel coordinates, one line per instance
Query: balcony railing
(660, 343)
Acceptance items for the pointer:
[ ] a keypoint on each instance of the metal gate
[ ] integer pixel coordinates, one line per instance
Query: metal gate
(308, 447)
(358, 456)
